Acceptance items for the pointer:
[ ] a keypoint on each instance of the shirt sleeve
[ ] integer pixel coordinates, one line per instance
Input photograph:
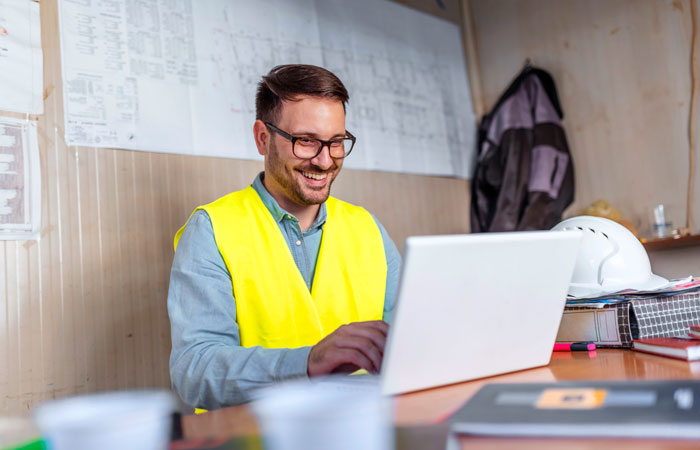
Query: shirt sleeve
(393, 271)
(208, 367)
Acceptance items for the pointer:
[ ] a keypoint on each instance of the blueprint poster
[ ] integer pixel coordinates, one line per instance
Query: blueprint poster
(179, 76)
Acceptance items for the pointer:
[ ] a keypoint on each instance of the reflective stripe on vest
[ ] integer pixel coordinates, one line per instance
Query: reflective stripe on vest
(274, 307)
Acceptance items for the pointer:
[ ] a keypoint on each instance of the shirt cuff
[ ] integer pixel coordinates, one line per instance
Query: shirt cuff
(294, 363)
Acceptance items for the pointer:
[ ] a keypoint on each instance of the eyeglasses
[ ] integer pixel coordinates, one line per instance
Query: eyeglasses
(309, 148)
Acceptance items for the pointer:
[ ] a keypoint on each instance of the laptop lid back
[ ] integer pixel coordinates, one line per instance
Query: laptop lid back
(472, 306)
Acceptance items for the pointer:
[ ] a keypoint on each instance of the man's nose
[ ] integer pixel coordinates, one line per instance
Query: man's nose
(323, 160)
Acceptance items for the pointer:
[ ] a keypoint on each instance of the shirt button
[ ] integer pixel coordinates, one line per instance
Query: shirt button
(298, 242)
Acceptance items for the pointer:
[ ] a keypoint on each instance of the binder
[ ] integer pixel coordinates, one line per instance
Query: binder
(615, 325)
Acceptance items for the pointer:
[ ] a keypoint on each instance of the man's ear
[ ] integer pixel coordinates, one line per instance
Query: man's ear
(262, 137)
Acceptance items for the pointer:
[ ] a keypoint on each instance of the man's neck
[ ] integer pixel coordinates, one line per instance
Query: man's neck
(305, 214)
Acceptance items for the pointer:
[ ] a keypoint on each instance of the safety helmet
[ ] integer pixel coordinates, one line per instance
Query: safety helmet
(610, 259)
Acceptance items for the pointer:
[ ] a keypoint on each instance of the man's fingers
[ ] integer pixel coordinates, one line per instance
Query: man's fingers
(337, 352)
(358, 344)
(364, 345)
(378, 325)
(346, 368)
(352, 356)
(374, 330)
(372, 334)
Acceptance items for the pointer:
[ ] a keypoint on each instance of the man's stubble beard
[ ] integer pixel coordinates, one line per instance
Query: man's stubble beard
(289, 182)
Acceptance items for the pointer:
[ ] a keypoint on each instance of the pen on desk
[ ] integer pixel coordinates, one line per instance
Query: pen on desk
(574, 347)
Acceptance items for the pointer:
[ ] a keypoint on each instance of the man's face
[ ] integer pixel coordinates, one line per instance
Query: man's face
(304, 182)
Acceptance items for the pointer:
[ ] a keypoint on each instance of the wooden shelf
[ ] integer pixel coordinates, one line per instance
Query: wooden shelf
(667, 243)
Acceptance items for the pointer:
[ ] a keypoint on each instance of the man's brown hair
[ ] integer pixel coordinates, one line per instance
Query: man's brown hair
(289, 81)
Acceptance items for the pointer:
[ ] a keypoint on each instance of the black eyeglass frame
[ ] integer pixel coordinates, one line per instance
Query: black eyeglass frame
(294, 139)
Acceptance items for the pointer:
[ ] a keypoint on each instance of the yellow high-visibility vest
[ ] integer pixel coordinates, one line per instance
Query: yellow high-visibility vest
(274, 307)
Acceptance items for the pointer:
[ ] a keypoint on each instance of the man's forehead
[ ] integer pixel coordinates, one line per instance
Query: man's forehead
(312, 108)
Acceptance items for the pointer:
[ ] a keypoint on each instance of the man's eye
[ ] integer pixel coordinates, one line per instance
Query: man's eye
(337, 143)
(304, 141)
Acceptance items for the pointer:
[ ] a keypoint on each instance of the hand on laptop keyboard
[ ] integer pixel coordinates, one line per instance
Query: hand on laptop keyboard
(357, 345)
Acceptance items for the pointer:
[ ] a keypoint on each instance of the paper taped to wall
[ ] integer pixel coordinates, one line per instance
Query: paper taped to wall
(21, 60)
(20, 181)
(180, 77)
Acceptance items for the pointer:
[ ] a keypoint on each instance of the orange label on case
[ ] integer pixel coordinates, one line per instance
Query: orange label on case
(571, 399)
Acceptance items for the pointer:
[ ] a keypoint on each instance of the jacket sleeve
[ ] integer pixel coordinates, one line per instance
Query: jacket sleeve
(550, 186)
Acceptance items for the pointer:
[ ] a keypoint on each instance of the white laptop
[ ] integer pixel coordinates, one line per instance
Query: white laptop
(472, 306)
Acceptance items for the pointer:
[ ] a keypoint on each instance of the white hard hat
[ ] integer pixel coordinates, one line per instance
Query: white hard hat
(610, 259)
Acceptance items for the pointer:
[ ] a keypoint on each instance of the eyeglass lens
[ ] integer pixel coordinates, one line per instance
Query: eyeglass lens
(309, 148)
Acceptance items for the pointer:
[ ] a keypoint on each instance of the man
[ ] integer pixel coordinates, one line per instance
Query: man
(279, 280)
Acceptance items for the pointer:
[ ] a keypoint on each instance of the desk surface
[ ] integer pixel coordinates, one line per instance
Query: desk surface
(433, 405)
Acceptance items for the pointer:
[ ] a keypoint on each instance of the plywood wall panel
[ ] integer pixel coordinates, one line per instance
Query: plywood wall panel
(408, 204)
(33, 274)
(5, 359)
(10, 376)
(160, 243)
(89, 263)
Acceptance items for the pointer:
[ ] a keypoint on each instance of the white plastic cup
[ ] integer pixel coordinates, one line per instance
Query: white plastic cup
(315, 416)
(134, 420)
(17, 432)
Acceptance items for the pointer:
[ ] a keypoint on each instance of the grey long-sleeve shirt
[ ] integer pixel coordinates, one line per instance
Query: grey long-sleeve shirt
(208, 366)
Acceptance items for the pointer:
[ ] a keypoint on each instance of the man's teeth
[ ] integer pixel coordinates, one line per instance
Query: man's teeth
(315, 176)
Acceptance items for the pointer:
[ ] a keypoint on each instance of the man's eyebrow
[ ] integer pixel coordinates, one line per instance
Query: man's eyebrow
(314, 135)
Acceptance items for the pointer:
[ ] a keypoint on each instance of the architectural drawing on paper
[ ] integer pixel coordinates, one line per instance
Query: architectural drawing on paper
(180, 76)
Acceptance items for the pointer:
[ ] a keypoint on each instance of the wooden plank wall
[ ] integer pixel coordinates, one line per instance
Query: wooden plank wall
(622, 69)
(84, 308)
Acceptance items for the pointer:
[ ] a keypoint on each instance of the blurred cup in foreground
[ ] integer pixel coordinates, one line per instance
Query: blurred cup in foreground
(19, 433)
(322, 416)
(134, 420)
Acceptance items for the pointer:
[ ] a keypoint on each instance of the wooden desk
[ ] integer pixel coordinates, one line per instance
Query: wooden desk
(434, 405)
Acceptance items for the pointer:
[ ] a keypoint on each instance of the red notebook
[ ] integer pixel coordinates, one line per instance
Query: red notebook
(675, 347)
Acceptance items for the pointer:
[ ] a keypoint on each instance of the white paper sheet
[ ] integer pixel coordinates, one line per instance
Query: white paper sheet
(20, 180)
(21, 77)
(180, 76)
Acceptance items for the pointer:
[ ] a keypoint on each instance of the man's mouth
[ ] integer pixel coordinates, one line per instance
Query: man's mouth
(314, 176)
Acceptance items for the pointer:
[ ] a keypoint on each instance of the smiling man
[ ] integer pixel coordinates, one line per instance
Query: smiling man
(280, 280)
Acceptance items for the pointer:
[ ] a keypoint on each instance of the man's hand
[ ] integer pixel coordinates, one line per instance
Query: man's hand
(358, 345)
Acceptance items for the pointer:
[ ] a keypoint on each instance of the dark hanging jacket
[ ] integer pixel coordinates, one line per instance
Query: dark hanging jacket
(524, 177)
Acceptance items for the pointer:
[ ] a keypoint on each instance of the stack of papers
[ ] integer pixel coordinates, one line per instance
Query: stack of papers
(674, 287)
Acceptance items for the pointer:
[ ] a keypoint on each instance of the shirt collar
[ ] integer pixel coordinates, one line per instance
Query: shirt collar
(277, 212)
